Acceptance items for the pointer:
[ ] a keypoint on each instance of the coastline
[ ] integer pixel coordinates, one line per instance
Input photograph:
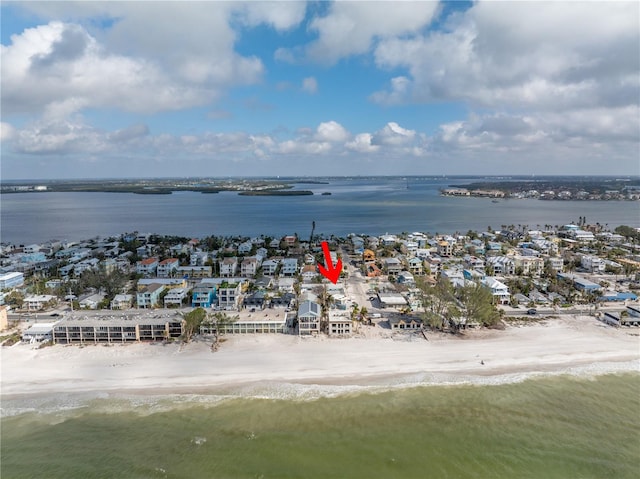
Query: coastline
(279, 366)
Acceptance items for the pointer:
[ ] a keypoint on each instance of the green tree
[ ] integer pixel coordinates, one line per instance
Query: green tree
(192, 322)
(476, 303)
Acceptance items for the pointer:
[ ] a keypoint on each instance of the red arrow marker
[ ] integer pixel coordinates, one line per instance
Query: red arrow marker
(330, 272)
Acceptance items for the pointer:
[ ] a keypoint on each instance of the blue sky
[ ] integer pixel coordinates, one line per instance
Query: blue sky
(131, 89)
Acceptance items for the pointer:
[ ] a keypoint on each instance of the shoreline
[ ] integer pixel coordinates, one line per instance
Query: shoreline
(279, 366)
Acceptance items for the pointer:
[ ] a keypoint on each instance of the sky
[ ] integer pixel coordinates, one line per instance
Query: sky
(214, 89)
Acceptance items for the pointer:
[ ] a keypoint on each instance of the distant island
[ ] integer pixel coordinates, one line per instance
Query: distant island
(276, 193)
(579, 188)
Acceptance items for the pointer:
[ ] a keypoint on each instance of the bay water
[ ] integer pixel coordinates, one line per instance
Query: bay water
(549, 427)
(356, 205)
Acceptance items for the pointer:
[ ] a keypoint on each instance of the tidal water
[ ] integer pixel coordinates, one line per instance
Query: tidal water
(362, 206)
(555, 427)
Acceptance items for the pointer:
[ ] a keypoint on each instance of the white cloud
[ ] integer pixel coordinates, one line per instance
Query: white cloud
(350, 28)
(522, 55)
(332, 132)
(393, 135)
(362, 144)
(310, 85)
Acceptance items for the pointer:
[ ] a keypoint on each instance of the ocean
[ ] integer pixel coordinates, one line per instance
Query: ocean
(550, 427)
(363, 206)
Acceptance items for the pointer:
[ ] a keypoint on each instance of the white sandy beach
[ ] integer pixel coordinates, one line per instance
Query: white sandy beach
(554, 346)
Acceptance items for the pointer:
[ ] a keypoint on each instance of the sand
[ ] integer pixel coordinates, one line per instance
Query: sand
(374, 358)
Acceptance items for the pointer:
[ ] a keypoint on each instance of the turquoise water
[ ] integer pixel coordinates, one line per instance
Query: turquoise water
(559, 427)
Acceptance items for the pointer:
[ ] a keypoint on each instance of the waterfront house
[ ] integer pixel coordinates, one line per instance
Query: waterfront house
(38, 332)
(339, 324)
(391, 300)
(229, 295)
(308, 318)
(399, 323)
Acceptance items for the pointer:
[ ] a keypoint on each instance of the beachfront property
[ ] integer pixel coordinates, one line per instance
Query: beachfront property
(308, 318)
(38, 332)
(117, 328)
(253, 323)
(10, 280)
(404, 323)
(339, 324)
(149, 295)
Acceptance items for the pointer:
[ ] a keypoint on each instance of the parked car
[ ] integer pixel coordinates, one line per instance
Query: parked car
(532, 311)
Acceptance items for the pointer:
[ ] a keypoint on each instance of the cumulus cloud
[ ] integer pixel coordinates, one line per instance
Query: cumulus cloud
(350, 28)
(7, 131)
(521, 54)
(394, 135)
(332, 132)
(310, 85)
(362, 144)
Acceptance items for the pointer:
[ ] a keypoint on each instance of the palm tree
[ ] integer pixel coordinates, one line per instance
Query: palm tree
(326, 301)
(363, 313)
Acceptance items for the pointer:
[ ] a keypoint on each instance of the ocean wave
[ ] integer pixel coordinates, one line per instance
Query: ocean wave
(63, 406)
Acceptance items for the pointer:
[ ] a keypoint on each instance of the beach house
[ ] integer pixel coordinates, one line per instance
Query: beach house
(308, 318)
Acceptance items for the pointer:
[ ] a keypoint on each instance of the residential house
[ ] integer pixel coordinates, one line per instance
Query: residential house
(37, 302)
(406, 278)
(499, 290)
(393, 266)
(175, 296)
(501, 265)
(445, 248)
(270, 267)
(245, 248)
(193, 272)
(289, 267)
(229, 267)
(203, 296)
(229, 295)
(90, 301)
(309, 273)
(309, 318)
(168, 267)
(122, 301)
(11, 280)
(530, 265)
(339, 324)
(593, 264)
(404, 323)
(149, 295)
(249, 267)
(147, 267)
(415, 266)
